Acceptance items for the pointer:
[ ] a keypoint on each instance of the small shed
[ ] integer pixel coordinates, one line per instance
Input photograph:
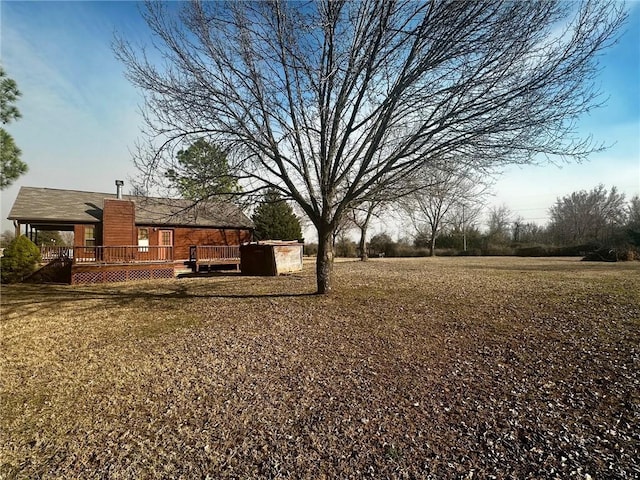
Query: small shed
(271, 258)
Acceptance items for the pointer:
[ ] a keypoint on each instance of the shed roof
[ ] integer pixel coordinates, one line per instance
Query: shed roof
(55, 206)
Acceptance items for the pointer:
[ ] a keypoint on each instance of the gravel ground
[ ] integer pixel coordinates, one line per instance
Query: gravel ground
(413, 368)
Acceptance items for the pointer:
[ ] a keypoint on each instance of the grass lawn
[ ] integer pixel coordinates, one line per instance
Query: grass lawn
(412, 368)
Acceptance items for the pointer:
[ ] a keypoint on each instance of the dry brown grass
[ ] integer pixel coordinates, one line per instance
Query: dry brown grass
(421, 368)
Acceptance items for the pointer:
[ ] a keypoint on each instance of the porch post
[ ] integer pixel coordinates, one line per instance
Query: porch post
(16, 225)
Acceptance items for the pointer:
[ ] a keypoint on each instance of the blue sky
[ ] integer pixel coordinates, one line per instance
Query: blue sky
(81, 116)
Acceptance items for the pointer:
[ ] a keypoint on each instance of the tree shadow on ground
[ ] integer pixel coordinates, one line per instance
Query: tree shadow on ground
(25, 299)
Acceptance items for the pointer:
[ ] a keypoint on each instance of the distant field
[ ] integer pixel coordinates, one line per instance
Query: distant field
(412, 368)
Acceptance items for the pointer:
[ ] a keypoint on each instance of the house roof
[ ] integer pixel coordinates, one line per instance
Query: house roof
(55, 206)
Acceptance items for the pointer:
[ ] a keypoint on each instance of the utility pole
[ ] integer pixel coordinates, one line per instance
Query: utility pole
(464, 231)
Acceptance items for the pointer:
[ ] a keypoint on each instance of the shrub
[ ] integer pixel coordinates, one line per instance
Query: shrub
(601, 255)
(629, 254)
(422, 240)
(533, 251)
(471, 252)
(20, 259)
(446, 252)
(346, 248)
(310, 249)
(405, 250)
(574, 250)
(391, 249)
(606, 254)
(497, 250)
(380, 244)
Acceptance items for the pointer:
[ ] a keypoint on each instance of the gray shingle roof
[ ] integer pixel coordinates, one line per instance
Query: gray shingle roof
(42, 205)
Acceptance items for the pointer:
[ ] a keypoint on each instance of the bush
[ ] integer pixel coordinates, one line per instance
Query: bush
(493, 250)
(629, 254)
(446, 252)
(310, 249)
(346, 248)
(601, 255)
(381, 244)
(609, 254)
(20, 259)
(533, 251)
(574, 250)
(405, 250)
(471, 252)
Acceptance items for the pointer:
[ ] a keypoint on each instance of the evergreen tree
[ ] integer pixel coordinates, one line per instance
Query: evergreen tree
(202, 171)
(275, 220)
(11, 167)
(20, 259)
(50, 238)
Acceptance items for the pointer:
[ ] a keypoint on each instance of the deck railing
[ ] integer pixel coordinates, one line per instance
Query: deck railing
(214, 253)
(123, 254)
(49, 253)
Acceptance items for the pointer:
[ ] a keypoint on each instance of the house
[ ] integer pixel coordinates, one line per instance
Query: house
(117, 235)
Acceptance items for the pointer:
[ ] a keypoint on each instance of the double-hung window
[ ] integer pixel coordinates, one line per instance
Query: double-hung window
(143, 239)
(89, 236)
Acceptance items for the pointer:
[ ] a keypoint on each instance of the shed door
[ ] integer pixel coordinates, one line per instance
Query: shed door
(166, 240)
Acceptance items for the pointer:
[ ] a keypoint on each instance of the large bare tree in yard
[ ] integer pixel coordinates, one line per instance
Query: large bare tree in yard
(331, 101)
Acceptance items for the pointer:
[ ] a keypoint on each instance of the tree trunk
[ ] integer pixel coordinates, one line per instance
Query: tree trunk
(432, 245)
(363, 231)
(363, 244)
(324, 260)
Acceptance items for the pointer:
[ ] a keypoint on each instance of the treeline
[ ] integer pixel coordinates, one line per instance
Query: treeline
(583, 222)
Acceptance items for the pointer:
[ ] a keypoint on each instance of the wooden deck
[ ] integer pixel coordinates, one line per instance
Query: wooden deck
(210, 255)
(112, 264)
(102, 264)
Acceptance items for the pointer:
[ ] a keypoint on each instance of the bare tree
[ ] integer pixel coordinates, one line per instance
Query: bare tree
(6, 237)
(361, 217)
(343, 225)
(588, 216)
(463, 219)
(329, 100)
(633, 211)
(633, 220)
(528, 232)
(444, 192)
(500, 221)
(466, 215)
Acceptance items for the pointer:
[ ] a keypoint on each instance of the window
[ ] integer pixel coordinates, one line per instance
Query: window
(143, 239)
(89, 236)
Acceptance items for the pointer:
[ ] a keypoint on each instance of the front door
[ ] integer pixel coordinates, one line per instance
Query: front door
(166, 240)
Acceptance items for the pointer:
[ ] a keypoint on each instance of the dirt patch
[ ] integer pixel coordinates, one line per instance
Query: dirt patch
(421, 368)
